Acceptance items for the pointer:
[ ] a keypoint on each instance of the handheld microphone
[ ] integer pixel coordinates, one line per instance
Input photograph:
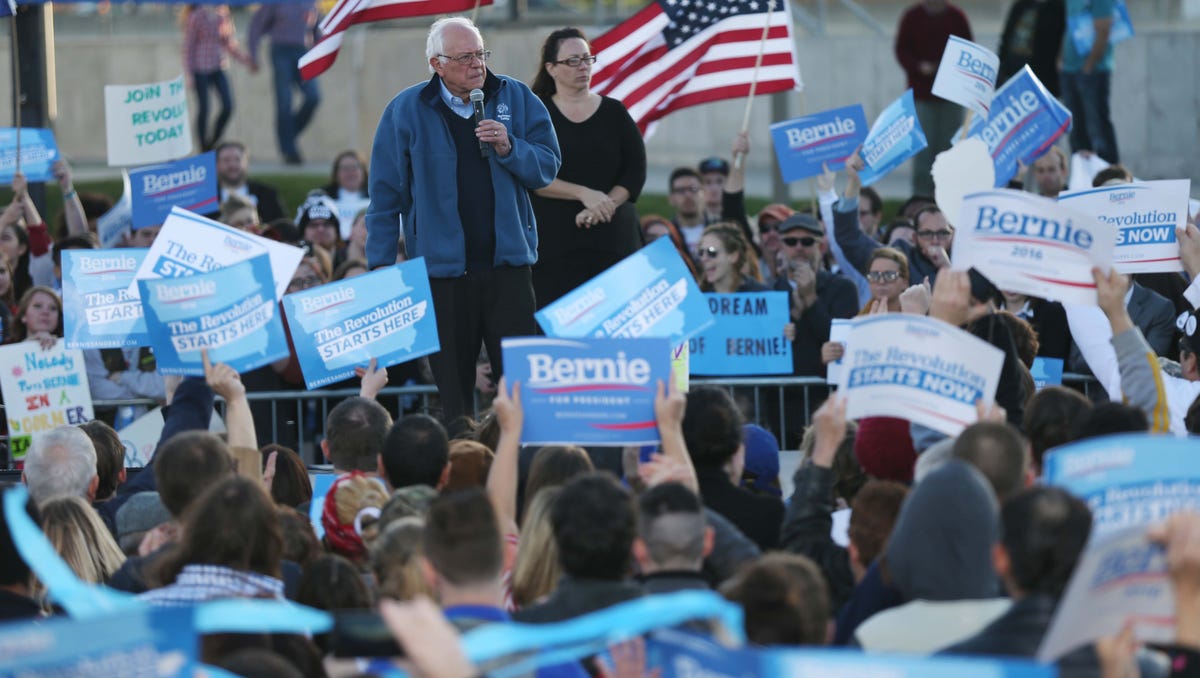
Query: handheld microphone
(477, 103)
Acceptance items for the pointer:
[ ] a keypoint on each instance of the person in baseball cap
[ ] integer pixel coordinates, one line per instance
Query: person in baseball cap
(713, 173)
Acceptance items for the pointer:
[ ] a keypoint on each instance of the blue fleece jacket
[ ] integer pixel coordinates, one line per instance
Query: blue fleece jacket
(413, 163)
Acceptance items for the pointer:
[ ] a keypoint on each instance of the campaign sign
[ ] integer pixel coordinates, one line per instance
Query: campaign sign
(650, 293)
(98, 310)
(190, 183)
(1145, 214)
(1033, 245)
(1046, 372)
(147, 123)
(676, 653)
(839, 330)
(1128, 480)
(747, 337)
(917, 368)
(829, 137)
(1025, 121)
(386, 314)
(588, 391)
(39, 152)
(895, 137)
(967, 75)
(230, 311)
(1082, 28)
(117, 222)
(814, 663)
(189, 244)
(42, 389)
(1120, 577)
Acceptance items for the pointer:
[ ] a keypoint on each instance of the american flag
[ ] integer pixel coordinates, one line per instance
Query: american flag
(679, 53)
(346, 13)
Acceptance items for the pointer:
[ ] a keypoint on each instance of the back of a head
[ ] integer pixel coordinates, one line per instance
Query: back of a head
(1109, 418)
(554, 466)
(60, 463)
(14, 571)
(784, 599)
(187, 465)
(712, 426)
(537, 569)
(110, 456)
(941, 545)
(594, 525)
(81, 538)
(395, 560)
(1049, 416)
(139, 514)
(415, 452)
(351, 514)
(407, 502)
(291, 486)
(330, 582)
(672, 525)
(462, 540)
(254, 662)
(998, 452)
(875, 509)
(355, 431)
(234, 524)
(470, 463)
(1044, 531)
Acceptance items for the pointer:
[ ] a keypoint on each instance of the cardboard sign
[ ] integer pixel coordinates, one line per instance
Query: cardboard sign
(147, 123)
(39, 152)
(142, 435)
(98, 311)
(747, 337)
(1145, 215)
(114, 225)
(386, 314)
(190, 183)
(839, 331)
(895, 137)
(967, 75)
(588, 391)
(1046, 372)
(917, 368)
(650, 293)
(1033, 245)
(802, 145)
(42, 389)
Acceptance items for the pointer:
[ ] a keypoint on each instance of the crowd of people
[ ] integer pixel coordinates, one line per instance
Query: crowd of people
(952, 546)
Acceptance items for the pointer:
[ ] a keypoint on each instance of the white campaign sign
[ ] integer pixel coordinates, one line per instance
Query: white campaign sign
(839, 329)
(1033, 245)
(147, 123)
(917, 368)
(967, 75)
(1145, 214)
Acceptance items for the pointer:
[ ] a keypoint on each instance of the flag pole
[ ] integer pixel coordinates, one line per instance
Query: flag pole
(740, 157)
(16, 74)
(475, 12)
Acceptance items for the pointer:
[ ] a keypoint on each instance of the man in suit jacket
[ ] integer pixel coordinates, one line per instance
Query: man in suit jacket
(233, 161)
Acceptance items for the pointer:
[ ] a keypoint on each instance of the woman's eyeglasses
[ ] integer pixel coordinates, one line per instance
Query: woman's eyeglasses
(575, 61)
(883, 276)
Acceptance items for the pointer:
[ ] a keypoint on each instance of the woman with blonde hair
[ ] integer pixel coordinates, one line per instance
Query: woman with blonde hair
(396, 561)
(80, 537)
(536, 570)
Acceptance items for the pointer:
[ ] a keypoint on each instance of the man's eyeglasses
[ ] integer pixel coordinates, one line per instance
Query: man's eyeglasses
(468, 59)
(883, 276)
(709, 253)
(686, 189)
(792, 242)
(938, 235)
(574, 61)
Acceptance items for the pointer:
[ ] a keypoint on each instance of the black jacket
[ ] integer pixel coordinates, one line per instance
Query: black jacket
(757, 516)
(837, 297)
(806, 530)
(576, 596)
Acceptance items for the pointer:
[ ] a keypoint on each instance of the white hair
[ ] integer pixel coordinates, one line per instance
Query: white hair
(435, 44)
(60, 463)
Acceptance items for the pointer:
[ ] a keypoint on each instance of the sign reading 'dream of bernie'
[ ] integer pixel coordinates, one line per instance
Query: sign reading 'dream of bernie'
(588, 391)
(190, 183)
(189, 244)
(747, 337)
(650, 293)
(1128, 480)
(917, 368)
(230, 311)
(967, 75)
(829, 137)
(147, 123)
(1024, 122)
(39, 152)
(1145, 214)
(1034, 245)
(98, 310)
(386, 314)
(895, 137)
(43, 388)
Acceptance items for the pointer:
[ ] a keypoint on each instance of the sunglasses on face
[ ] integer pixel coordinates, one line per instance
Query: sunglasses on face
(792, 242)
(940, 235)
(883, 276)
(709, 253)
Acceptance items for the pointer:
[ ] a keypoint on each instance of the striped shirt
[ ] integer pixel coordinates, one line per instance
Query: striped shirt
(198, 583)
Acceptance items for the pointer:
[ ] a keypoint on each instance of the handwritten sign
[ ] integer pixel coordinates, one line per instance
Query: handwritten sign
(39, 152)
(42, 389)
(190, 183)
(98, 311)
(747, 337)
(895, 137)
(829, 137)
(386, 314)
(147, 123)
(967, 75)
(1145, 215)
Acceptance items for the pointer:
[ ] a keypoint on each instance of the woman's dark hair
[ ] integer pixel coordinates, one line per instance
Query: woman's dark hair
(21, 279)
(543, 84)
(555, 466)
(19, 331)
(300, 543)
(333, 178)
(291, 486)
(784, 598)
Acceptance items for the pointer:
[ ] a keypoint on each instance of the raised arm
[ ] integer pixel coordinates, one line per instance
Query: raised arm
(504, 473)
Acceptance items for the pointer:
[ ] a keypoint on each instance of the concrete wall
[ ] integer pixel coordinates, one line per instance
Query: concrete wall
(1156, 94)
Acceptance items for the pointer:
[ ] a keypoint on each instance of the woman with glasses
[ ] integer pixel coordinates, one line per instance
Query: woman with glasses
(586, 219)
(724, 257)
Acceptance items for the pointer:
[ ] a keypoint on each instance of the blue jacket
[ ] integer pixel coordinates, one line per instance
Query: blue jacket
(413, 164)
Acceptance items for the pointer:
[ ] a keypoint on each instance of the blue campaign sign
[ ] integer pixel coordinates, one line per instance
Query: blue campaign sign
(1128, 480)
(650, 293)
(1025, 121)
(588, 391)
(806, 663)
(230, 311)
(829, 137)
(895, 137)
(386, 314)
(747, 337)
(190, 183)
(1047, 372)
(39, 152)
(98, 309)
